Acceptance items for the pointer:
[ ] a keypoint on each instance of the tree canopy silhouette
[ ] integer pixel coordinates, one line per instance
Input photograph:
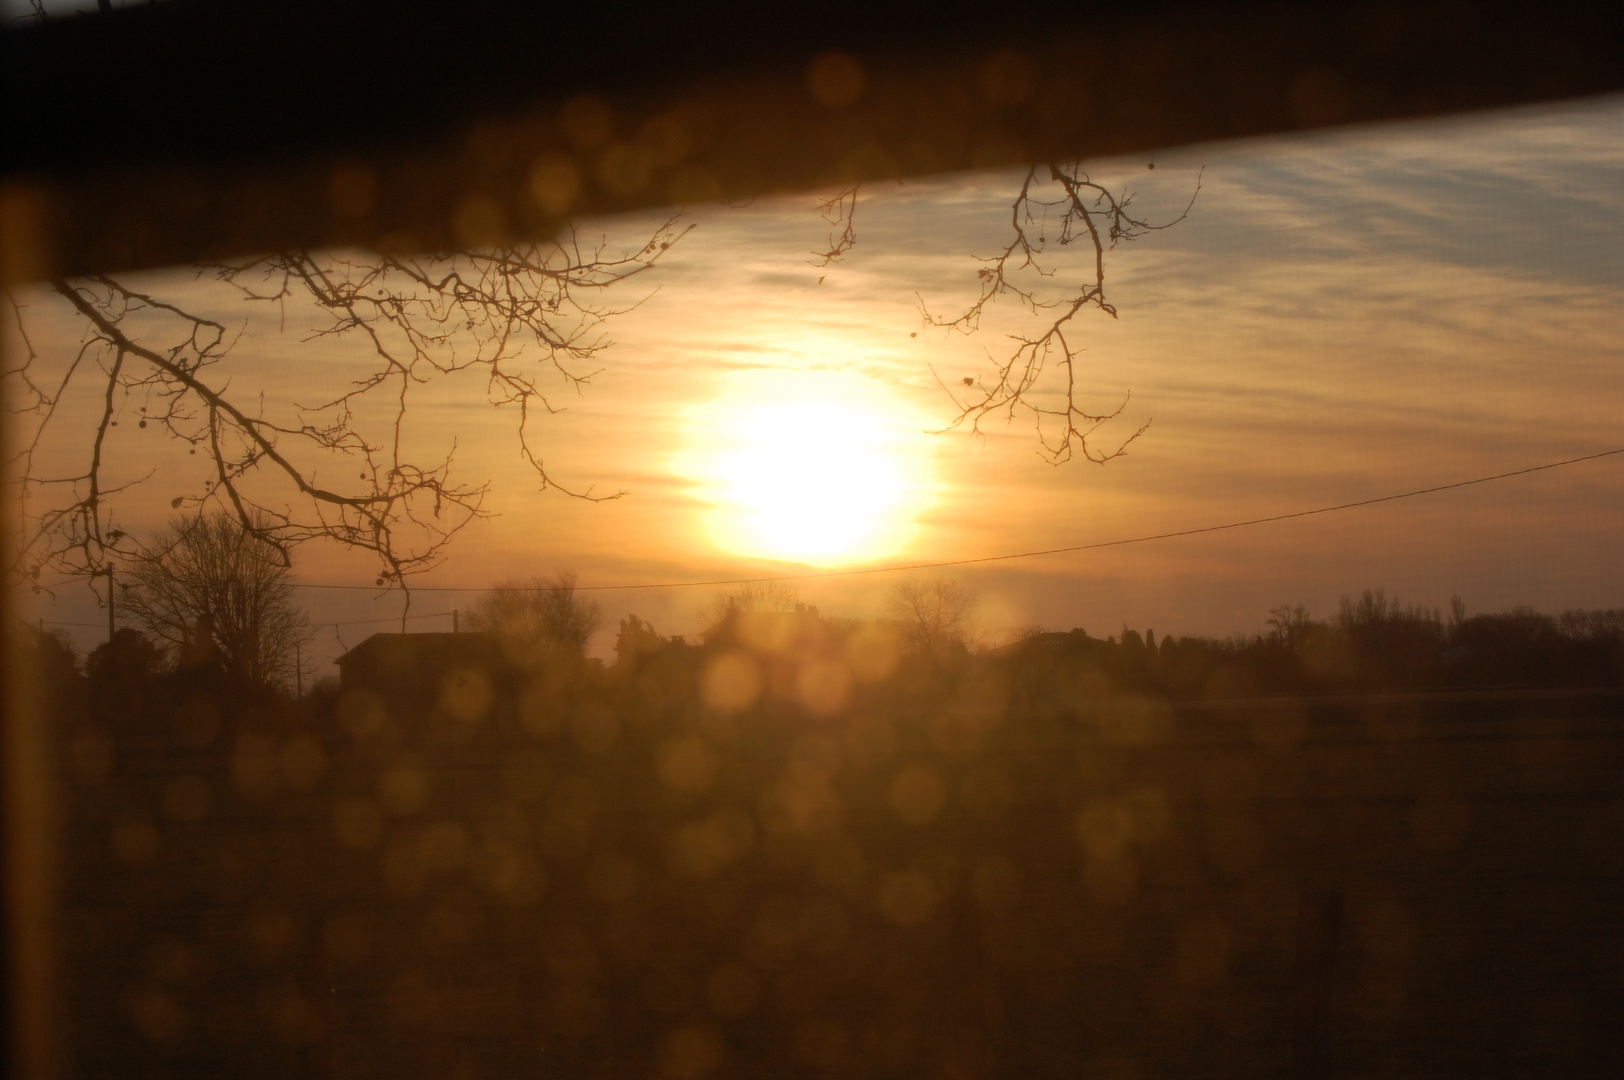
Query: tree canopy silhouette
(210, 589)
(544, 614)
(934, 613)
(768, 596)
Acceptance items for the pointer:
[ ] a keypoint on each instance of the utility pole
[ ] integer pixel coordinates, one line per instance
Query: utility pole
(454, 628)
(298, 674)
(110, 594)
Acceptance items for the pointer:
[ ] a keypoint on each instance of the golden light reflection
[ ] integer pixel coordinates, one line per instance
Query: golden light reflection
(810, 469)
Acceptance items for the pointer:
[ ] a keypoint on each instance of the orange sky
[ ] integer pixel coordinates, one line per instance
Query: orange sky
(1344, 314)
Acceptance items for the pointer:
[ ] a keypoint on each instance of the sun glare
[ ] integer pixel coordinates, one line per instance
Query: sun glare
(811, 472)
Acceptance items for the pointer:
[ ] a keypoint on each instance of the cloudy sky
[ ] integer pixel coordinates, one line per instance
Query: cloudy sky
(1343, 315)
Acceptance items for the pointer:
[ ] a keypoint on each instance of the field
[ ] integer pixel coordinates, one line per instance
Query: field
(987, 876)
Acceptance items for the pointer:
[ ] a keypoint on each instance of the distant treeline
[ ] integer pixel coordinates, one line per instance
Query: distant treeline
(1374, 643)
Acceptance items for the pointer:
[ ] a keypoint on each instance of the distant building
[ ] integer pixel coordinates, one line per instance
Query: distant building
(414, 661)
(414, 673)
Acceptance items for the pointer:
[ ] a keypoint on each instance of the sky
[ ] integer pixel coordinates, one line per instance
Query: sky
(1344, 314)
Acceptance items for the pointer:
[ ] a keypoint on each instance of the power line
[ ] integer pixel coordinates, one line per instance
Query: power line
(313, 626)
(386, 618)
(905, 567)
(945, 563)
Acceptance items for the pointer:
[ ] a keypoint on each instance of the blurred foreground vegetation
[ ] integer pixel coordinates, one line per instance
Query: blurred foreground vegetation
(1385, 844)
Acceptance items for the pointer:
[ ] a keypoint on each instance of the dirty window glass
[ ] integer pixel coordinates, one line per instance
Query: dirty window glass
(1149, 615)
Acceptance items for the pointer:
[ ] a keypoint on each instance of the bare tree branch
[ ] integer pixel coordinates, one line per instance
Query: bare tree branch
(519, 314)
(840, 211)
(1080, 210)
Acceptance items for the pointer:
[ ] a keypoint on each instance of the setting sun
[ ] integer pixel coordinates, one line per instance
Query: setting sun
(821, 476)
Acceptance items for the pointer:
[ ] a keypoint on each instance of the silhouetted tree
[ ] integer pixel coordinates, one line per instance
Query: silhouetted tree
(753, 596)
(544, 613)
(210, 588)
(52, 658)
(635, 639)
(129, 657)
(1290, 623)
(934, 613)
(1376, 622)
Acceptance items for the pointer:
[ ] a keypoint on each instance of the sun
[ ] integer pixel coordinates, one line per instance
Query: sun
(810, 471)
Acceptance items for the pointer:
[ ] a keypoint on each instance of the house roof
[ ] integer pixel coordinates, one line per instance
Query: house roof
(434, 648)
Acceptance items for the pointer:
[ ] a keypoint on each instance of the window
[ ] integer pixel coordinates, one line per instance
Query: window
(735, 570)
